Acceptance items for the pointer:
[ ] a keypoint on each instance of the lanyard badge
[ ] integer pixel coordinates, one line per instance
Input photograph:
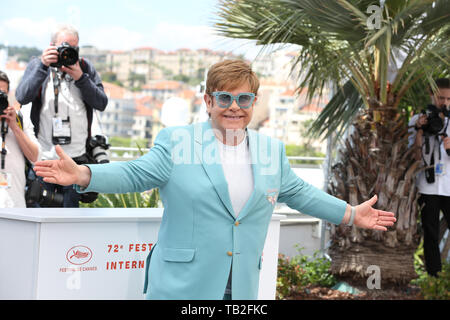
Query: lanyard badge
(61, 131)
(5, 180)
(440, 169)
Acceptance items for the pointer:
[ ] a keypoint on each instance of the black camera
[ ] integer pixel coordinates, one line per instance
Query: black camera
(3, 102)
(36, 193)
(67, 55)
(97, 147)
(435, 123)
(95, 153)
(434, 127)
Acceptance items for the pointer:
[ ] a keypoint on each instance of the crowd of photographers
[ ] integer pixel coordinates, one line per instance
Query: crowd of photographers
(58, 95)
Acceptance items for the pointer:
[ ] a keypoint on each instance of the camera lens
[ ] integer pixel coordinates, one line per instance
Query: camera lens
(68, 56)
(36, 193)
(100, 155)
(51, 199)
(99, 146)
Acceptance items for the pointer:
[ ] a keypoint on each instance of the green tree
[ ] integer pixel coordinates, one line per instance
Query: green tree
(354, 46)
(23, 54)
(136, 80)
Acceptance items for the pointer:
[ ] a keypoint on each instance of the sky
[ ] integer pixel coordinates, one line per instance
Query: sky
(119, 25)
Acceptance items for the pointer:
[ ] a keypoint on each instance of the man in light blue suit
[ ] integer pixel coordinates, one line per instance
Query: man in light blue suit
(219, 183)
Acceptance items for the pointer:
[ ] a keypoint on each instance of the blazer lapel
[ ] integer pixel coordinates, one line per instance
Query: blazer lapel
(206, 149)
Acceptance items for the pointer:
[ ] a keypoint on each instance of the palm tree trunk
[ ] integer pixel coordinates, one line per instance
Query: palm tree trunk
(375, 159)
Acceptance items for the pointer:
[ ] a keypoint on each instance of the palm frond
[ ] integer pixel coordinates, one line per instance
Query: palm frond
(338, 113)
(336, 46)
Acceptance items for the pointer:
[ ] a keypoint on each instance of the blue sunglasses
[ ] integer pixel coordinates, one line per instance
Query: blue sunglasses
(225, 99)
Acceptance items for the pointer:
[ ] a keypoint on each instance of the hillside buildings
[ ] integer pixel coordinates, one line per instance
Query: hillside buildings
(138, 83)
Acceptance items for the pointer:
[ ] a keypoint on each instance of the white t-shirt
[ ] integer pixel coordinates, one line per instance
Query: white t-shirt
(14, 197)
(236, 164)
(70, 103)
(441, 186)
(237, 168)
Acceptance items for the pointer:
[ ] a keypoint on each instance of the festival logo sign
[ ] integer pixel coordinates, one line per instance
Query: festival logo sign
(79, 255)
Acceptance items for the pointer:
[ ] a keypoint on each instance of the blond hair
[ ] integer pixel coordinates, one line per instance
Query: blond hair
(230, 74)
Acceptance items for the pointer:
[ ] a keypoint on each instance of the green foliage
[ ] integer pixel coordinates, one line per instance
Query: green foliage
(337, 46)
(434, 288)
(111, 77)
(303, 151)
(192, 81)
(136, 81)
(300, 271)
(149, 199)
(127, 142)
(24, 54)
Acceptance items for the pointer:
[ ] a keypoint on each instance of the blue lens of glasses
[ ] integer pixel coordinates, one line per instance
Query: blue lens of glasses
(224, 99)
(244, 100)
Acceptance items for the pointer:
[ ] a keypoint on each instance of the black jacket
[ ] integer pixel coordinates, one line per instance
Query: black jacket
(33, 84)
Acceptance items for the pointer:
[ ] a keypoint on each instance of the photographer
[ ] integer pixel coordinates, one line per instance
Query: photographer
(63, 90)
(18, 140)
(430, 132)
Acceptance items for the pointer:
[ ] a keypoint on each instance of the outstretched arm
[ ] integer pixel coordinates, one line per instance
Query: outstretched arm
(302, 196)
(150, 171)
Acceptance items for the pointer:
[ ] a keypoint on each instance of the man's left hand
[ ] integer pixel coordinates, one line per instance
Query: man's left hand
(74, 71)
(370, 218)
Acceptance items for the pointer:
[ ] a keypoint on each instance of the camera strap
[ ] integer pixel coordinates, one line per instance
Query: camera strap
(4, 132)
(440, 141)
(61, 133)
(56, 86)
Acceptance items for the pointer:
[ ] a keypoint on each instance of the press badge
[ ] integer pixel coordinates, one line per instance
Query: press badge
(61, 131)
(440, 169)
(5, 180)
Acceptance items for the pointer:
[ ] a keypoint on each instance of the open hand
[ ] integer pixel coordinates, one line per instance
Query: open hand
(63, 171)
(370, 218)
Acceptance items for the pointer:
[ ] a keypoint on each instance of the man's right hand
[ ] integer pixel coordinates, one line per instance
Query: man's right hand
(64, 171)
(49, 56)
(422, 121)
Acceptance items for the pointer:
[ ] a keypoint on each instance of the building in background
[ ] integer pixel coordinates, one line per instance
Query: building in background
(138, 82)
(117, 119)
(146, 64)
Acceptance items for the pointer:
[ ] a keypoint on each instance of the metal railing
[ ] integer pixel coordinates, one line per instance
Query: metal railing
(133, 153)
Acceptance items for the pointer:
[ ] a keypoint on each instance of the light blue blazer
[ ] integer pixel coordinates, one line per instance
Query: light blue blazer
(199, 239)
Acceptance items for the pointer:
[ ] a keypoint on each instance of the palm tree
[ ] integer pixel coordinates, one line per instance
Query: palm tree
(376, 58)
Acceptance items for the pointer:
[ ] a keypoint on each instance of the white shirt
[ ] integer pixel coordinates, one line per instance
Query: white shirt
(236, 164)
(14, 197)
(441, 186)
(70, 103)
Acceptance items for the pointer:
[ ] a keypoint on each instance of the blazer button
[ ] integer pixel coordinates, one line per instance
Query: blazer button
(230, 253)
(236, 223)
